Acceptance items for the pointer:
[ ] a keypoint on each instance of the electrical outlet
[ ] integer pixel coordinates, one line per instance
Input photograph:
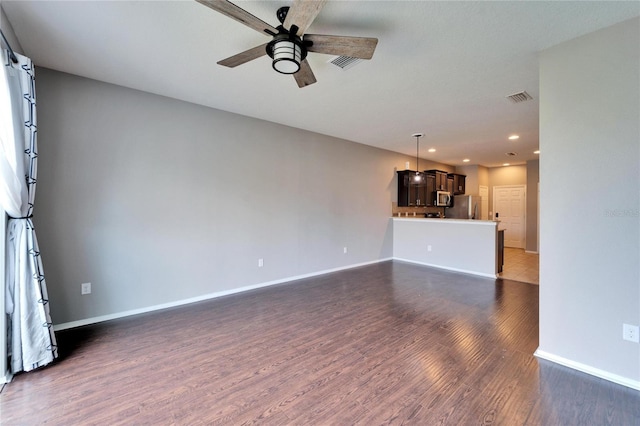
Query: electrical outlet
(85, 288)
(260, 263)
(429, 248)
(344, 250)
(630, 333)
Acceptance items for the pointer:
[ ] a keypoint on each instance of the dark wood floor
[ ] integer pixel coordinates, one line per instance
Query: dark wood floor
(391, 343)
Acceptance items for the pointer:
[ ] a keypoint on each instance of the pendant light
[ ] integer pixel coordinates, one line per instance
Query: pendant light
(418, 176)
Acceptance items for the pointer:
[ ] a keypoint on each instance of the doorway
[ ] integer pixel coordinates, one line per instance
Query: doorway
(509, 209)
(520, 265)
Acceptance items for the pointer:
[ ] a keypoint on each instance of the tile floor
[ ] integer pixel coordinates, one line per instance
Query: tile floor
(520, 266)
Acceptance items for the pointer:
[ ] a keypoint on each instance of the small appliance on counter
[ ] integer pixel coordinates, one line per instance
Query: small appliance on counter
(432, 215)
(464, 207)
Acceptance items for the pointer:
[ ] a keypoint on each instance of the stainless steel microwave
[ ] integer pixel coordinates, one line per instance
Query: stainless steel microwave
(443, 199)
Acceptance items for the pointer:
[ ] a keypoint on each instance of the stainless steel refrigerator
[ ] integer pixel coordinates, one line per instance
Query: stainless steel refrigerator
(464, 207)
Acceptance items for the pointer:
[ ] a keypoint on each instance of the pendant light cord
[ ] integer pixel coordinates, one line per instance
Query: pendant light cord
(417, 151)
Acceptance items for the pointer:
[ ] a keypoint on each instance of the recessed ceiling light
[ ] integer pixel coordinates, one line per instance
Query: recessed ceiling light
(514, 137)
(466, 160)
(536, 152)
(432, 150)
(506, 164)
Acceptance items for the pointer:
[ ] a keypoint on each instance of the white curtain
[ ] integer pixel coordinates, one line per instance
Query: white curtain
(31, 341)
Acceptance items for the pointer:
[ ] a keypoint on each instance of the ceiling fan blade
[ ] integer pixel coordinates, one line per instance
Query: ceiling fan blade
(304, 76)
(243, 57)
(234, 12)
(302, 13)
(354, 47)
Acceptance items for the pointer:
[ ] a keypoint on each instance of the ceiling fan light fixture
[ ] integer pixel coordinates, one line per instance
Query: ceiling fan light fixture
(286, 57)
(287, 51)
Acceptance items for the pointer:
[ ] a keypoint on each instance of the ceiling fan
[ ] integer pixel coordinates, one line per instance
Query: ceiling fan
(289, 44)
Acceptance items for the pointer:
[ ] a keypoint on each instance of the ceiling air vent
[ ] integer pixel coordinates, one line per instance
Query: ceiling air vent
(345, 62)
(510, 154)
(520, 97)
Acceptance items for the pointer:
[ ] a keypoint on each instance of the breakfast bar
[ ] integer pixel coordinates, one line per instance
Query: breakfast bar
(461, 245)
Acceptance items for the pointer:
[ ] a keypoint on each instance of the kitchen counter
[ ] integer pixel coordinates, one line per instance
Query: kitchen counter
(462, 245)
(446, 219)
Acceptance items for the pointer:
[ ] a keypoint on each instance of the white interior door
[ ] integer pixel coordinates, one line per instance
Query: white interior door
(509, 204)
(484, 206)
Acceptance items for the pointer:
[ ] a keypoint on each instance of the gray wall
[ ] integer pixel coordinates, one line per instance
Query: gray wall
(533, 177)
(483, 176)
(9, 33)
(590, 201)
(155, 200)
(471, 184)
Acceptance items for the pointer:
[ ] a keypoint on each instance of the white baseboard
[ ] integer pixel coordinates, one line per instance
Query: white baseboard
(464, 271)
(102, 318)
(624, 381)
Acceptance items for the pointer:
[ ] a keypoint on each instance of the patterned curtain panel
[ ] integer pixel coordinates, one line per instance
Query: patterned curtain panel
(31, 339)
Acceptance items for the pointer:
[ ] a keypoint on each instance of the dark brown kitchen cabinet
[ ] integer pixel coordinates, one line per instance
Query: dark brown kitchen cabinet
(431, 189)
(450, 184)
(441, 179)
(412, 192)
(458, 183)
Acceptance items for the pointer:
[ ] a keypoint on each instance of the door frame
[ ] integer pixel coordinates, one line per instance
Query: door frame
(524, 210)
(538, 226)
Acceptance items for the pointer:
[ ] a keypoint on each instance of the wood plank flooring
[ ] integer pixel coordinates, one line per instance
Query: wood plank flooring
(391, 343)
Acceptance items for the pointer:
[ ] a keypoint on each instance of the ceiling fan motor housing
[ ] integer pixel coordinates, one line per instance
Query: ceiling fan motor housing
(281, 14)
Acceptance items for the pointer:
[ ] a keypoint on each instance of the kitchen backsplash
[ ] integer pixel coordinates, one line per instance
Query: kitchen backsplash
(414, 211)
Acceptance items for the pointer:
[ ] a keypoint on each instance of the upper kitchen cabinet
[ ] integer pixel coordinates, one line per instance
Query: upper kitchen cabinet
(458, 183)
(441, 179)
(412, 192)
(431, 189)
(450, 184)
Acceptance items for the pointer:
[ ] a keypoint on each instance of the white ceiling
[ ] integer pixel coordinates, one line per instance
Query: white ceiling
(442, 68)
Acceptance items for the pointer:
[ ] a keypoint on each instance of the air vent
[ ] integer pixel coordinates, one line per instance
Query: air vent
(520, 97)
(345, 62)
(510, 154)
